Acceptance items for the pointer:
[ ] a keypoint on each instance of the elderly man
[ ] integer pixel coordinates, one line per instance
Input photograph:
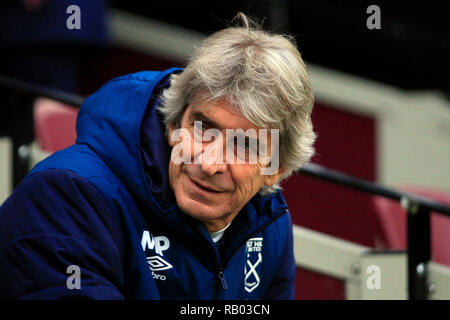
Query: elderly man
(171, 190)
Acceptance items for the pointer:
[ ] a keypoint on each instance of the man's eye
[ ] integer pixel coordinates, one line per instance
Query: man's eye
(199, 127)
(246, 146)
(250, 145)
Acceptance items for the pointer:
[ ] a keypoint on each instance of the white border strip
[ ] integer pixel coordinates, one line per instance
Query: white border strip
(327, 254)
(5, 168)
(439, 279)
(151, 36)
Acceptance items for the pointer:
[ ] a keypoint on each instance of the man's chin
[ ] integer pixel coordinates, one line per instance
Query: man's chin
(201, 211)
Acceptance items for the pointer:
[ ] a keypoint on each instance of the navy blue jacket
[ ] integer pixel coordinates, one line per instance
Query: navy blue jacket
(104, 206)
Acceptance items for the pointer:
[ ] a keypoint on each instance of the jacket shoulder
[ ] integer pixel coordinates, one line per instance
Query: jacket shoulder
(53, 219)
(80, 159)
(143, 76)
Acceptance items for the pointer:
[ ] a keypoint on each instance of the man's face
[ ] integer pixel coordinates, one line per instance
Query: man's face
(211, 190)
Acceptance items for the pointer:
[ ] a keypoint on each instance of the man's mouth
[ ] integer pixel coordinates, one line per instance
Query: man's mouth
(203, 186)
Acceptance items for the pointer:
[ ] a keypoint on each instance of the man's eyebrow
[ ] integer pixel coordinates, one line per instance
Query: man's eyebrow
(198, 116)
(251, 139)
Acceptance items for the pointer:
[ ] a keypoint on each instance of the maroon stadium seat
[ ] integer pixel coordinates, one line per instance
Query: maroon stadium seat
(54, 124)
(392, 222)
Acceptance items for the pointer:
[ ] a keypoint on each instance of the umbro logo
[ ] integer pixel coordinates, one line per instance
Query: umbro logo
(157, 263)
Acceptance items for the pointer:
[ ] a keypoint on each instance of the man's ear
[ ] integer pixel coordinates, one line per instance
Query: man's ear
(270, 180)
(171, 127)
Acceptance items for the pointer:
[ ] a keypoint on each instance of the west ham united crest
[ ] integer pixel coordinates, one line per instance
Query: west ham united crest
(252, 266)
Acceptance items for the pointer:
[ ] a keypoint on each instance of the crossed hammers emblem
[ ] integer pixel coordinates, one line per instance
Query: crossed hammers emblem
(250, 286)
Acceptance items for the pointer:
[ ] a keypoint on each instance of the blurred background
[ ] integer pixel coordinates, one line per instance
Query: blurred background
(382, 108)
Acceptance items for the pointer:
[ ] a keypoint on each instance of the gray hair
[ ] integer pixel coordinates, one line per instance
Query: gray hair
(263, 77)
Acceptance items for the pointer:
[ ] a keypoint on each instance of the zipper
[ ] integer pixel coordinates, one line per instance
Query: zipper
(222, 279)
(220, 269)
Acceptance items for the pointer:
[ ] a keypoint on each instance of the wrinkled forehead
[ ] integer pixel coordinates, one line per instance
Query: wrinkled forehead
(223, 114)
(218, 114)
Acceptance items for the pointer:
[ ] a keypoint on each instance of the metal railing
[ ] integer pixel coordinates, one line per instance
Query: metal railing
(418, 208)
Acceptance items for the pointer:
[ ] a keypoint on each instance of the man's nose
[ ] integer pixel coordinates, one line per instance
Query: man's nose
(210, 168)
(212, 160)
